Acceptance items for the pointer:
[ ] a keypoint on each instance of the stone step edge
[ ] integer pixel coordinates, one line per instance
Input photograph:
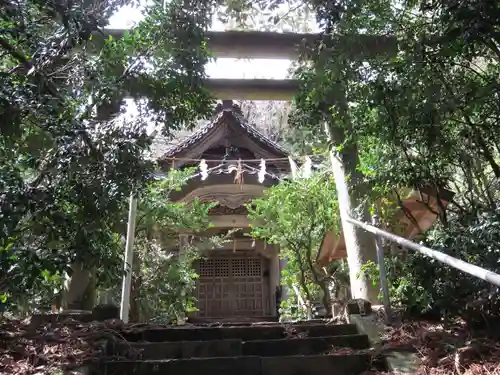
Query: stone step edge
(208, 342)
(301, 325)
(285, 357)
(347, 364)
(225, 333)
(232, 347)
(333, 364)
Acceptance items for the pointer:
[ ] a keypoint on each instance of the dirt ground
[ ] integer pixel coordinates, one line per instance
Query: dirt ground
(442, 350)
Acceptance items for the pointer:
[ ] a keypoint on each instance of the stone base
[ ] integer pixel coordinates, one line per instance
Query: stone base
(359, 306)
(397, 361)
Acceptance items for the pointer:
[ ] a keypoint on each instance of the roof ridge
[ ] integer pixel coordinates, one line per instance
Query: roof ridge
(200, 131)
(237, 113)
(253, 128)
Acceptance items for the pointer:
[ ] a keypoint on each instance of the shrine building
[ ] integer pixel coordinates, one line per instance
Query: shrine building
(241, 279)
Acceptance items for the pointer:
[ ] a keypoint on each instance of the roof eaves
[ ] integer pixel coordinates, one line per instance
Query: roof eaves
(193, 138)
(242, 122)
(254, 132)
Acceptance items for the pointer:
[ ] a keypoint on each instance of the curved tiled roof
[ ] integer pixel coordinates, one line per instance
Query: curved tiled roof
(193, 138)
(256, 133)
(235, 112)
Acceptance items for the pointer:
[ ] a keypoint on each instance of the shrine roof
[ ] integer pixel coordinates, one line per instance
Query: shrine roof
(230, 115)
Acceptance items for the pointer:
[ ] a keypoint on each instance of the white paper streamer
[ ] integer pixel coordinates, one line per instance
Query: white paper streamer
(203, 170)
(307, 167)
(293, 168)
(262, 171)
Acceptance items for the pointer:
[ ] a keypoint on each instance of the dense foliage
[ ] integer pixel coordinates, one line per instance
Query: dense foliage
(67, 170)
(164, 275)
(295, 215)
(426, 115)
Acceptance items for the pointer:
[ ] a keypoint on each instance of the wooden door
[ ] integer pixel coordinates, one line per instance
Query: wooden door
(232, 284)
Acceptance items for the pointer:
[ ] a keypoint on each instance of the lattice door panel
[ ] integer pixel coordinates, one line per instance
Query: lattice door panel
(214, 290)
(249, 298)
(248, 288)
(231, 285)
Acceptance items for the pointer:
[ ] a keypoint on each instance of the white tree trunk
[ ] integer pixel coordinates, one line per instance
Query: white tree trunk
(360, 244)
(79, 289)
(352, 194)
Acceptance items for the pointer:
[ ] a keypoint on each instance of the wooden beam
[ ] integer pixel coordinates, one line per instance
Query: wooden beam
(272, 45)
(241, 89)
(258, 45)
(252, 89)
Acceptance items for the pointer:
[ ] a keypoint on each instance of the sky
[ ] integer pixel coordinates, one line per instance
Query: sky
(222, 68)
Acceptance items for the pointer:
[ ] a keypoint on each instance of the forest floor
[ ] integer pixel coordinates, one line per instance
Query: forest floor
(450, 350)
(58, 348)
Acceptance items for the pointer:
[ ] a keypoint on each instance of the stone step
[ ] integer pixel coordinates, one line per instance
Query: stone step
(303, 346)
(248, 323)
(178, 349)
(234, 348)
(289, 365)
(234, 321)
(244, 333)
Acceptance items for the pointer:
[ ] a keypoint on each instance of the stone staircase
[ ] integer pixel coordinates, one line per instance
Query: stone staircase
(242, 349)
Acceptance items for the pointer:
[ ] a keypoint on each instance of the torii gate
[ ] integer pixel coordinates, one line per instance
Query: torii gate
(270, 45)
(248, 45)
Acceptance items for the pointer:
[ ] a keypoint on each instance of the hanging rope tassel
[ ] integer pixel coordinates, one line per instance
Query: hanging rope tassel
(262, 171)
(293, 168)
(238, 178)
(307, 167)
(203, 169)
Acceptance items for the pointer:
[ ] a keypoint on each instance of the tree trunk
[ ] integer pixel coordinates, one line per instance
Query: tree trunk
(79, 289)
(351, 193)
(302, 275)
(325, 299)
(320, 281)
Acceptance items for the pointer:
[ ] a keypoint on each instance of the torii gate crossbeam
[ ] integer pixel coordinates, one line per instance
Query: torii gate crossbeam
(271, 45)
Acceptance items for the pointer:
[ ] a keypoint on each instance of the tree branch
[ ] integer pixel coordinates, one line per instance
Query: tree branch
(15, 53)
